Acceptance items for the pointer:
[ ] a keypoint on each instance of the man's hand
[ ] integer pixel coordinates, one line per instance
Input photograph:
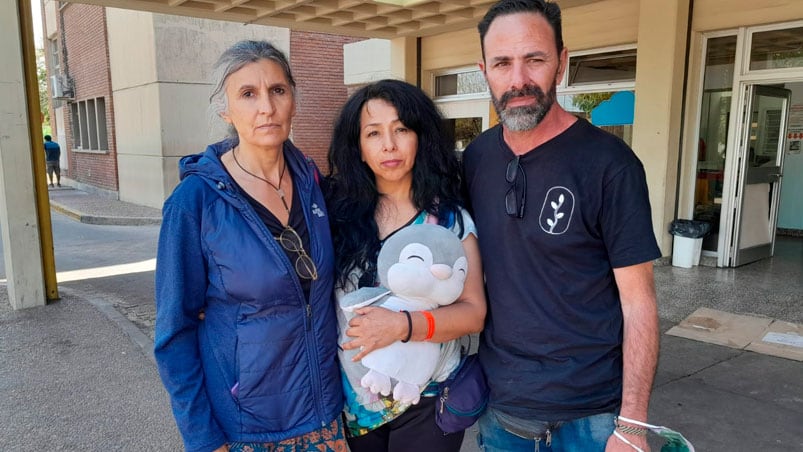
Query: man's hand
(615, 444)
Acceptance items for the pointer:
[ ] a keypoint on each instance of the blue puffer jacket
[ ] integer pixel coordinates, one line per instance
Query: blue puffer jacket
(261, 363)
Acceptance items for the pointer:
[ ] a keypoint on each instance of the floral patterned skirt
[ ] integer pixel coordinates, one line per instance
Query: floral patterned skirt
(326, 439)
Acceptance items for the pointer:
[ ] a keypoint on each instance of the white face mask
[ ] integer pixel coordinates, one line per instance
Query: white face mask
(675, 442)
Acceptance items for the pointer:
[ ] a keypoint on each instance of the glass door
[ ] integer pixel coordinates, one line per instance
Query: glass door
(763, 130)
(711, 146)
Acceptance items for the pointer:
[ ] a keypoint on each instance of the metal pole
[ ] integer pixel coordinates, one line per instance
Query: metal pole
(38, 158)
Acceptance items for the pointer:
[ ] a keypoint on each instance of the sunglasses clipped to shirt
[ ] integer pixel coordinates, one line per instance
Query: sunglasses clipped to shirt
(516, 195)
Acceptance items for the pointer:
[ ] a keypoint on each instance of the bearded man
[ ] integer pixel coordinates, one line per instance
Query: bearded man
(570, 344)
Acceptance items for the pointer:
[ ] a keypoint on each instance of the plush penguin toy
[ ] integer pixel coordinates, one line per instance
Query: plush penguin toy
(420, 267)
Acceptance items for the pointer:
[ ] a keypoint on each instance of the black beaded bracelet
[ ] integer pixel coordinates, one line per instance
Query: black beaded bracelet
(409, 327)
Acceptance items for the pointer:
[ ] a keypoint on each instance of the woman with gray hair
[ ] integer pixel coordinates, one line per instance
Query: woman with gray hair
(246, 333)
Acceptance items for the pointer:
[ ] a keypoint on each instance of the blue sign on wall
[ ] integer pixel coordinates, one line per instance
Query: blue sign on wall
(616, 111)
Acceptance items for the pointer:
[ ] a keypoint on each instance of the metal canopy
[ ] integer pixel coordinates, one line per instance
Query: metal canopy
(371, 19)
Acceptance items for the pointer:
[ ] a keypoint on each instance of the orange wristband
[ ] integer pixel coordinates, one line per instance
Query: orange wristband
(430, 325)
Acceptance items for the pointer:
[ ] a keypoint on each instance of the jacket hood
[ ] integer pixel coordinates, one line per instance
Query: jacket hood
(207, 163)
(209, 166)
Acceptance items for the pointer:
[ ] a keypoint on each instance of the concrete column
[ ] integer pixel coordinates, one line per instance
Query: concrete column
(18, 217)
(659, 98)
(403, 58)
(366, 61)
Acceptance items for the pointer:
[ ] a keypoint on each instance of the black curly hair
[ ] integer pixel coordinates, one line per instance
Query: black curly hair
(350, 187)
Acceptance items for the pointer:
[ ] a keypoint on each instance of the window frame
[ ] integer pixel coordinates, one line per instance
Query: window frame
(53, 54)
(744, 71)
(565, 88)
(89, 131)
(486, 94)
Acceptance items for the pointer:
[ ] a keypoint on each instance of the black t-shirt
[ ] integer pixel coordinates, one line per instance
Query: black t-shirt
(552, 342)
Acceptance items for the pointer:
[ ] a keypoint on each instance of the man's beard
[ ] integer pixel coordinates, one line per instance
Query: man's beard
(525, 117)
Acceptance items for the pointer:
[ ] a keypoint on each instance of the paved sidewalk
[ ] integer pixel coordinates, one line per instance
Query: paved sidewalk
(72, 379)
(77, 375)
(96, 209)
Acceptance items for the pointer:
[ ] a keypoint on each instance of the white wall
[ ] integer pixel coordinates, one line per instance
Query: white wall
(132, 51)
(50, 25)
(19, 221)
(723, 14)
(366, 61)
(160, 68)
(467, 109)
(187, 47)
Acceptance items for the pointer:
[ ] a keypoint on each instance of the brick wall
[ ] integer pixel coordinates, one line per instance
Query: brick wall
(87, 60)
(317, 63)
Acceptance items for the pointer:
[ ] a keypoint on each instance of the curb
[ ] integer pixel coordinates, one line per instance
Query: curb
(129, 328)
(101, 220)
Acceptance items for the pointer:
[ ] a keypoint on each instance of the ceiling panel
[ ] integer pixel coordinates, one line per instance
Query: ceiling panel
(368, 18)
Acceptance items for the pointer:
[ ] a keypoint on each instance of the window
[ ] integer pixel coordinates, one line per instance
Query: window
(715, 110)
(76, 129)
(777, 49)
(599, 86)
(464, 130)
(462, 96)
(53, 50)
(460, 83)
(611, 111)
(89, 125)
(100, 108)
(603, 67)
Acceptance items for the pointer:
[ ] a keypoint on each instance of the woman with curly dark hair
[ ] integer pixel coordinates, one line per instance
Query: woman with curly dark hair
(392, 165)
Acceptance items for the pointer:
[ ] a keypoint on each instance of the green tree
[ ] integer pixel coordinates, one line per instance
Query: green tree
(467, 129)
(589, 101)
(44, 100)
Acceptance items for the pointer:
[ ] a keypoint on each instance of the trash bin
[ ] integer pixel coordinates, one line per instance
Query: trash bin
(688, 242)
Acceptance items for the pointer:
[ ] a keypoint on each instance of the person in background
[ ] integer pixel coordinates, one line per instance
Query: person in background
(565, 232)
(246, 332)
(52, 155)
(392, 165)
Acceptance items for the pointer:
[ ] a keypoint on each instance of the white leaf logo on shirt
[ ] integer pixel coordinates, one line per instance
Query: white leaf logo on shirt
(556, 213)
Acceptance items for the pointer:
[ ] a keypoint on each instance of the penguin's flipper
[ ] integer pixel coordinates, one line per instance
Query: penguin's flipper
(364, 296)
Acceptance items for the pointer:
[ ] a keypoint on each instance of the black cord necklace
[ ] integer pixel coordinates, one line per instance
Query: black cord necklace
(278, 189)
